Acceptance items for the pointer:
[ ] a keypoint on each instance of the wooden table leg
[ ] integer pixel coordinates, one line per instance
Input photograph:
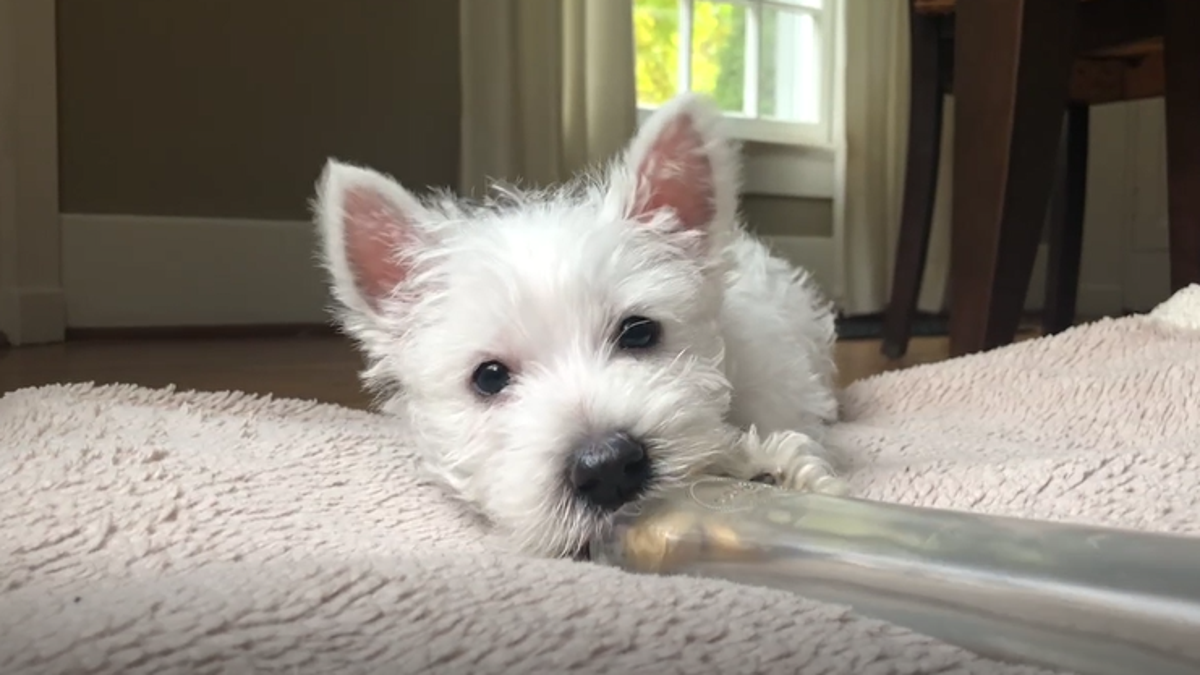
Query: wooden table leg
(1181, 61)
(1012, 70)
(920, 179)
(1066, 227)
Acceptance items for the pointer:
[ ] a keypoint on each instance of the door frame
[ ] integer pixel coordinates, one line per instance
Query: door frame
(32, 307)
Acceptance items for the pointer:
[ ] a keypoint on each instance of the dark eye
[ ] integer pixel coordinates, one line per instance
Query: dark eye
(490, 378)
(638, 332)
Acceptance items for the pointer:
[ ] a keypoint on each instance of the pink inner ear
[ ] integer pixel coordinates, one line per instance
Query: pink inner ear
(375, 229)
(676, 173)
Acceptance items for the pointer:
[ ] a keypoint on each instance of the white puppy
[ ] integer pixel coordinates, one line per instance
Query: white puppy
(561, 354)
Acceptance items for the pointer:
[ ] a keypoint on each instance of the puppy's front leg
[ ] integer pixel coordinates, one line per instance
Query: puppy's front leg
(788, 459)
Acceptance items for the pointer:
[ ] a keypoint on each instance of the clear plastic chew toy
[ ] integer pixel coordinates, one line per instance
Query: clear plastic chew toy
(1094, 601)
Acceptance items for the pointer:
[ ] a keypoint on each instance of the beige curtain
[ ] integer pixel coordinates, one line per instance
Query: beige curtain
(871, 128)
(548, 88)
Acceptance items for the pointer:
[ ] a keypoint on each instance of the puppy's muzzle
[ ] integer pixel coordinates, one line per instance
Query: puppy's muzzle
(610, 470)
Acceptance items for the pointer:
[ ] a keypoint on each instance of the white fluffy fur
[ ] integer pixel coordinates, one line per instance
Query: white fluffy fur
(742, 383)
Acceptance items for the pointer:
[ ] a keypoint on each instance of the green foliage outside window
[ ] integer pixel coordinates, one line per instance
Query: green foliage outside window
(718, 54)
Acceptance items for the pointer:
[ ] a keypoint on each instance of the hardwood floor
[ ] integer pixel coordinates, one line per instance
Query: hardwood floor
(323, 368)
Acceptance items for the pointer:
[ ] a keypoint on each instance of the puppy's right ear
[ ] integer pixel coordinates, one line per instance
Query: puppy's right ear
(370, 231)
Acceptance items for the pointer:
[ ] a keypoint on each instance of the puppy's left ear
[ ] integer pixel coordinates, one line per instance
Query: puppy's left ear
(681, 165)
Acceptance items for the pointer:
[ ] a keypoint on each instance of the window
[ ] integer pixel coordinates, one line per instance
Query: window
(767, 63)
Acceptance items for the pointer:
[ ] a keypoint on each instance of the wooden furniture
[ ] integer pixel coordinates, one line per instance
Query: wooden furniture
(1014, 66)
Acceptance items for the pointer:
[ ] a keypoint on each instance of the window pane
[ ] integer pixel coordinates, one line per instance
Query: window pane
(719, 53)
(789, 85)
(656, 36)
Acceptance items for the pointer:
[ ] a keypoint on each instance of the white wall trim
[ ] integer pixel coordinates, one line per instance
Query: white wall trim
(1147, 279)
(782, 169)
(1147, 255)
(1093, 299)
(814, 254)
(165, 271)
(125, 271)
(31, 297)
(774, 170)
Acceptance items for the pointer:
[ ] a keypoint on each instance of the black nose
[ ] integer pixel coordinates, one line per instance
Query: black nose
(610, 470)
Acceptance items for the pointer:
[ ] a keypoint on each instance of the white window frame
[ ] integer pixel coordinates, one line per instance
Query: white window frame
(746, 126)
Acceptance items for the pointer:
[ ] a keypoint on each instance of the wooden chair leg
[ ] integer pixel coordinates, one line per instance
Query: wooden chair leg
(1181, 61)
(1066, 228)
(1012, 69)
(920, 181)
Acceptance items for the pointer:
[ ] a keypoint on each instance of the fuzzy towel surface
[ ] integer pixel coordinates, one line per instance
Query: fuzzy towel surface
(161, 532)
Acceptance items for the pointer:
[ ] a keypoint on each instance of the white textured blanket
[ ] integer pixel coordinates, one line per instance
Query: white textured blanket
(163, 532)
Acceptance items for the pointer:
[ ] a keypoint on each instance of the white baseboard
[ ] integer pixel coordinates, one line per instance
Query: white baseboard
(1093, 299)
(1147, 279)
(164, 271)
(782, 169)
(815, 254)
(131, 271)
(31, 316)
(787, 171)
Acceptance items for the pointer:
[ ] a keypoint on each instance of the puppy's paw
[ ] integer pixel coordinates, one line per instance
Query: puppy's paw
(792, 461)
